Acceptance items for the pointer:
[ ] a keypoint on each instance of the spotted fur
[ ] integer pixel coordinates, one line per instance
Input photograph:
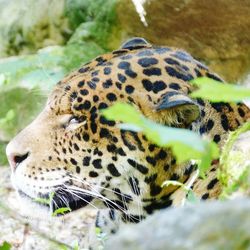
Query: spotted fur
(72, 150)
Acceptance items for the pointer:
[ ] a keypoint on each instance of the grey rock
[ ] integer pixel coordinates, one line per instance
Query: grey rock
(206, 226)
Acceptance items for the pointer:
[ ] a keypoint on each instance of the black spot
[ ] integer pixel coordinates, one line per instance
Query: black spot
(205, 196)
(91, 84)
(126, 57)
(190, 169)
(83, 70)
(93, 127)
(174, 73)
(113, 171)
(182, 56)
(216, 138)
(213, 76)
(198, 73)
(241, 112)
(127, 142)
(87, 105)
(150, 178)
(95, 98)
(67, 88)
(80, 84)
(138, 166)
(155, 189)
(79, 99)
(73, 95)
(210, 124)
(152, 72)
(145, 53)
(111, 97)
(104, 133)
(86, 161)
(121, 78)
(95, 73)
(174, 177)
(162, 50)
(84, 92)
(224, 122)
(129, 89)
(78, 169)
(118, 85)
(134, 184)
(95, 79)
(151, 160)
(212, 183)
(147, 84)
(147, 61)
(107, 70)
(73, 161)
(161, 155)
(175, 86)
(76, 147)
(104, 121)
(100, 60)
(108, 83)
(121, 152)
(166, 167)
(112, 214)
(171, 61)
(130, 73)
(151, 147)
(124, 65)
(102, 105)
(200, 101)
(93, 174)
(85, 137)
(111, 148)
(159, 86)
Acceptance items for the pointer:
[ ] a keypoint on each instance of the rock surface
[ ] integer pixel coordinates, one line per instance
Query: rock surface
(216, 32)
(207, 226)
(70, 229)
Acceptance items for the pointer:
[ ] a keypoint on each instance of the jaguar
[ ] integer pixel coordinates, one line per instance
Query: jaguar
(73, 152)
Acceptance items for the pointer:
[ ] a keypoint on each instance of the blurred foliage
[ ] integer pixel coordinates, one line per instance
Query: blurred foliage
(93, 20)
(25, 80)
(5, 246)
(215, 91)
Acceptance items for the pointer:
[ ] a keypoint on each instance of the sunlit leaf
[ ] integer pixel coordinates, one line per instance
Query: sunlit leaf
(215, 91)
(5, 246)
(61, 210)
(191, 197)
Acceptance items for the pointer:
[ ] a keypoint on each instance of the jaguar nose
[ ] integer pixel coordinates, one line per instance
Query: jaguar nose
(16, 158)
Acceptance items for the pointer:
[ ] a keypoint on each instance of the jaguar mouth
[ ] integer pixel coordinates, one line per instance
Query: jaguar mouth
(60, 201)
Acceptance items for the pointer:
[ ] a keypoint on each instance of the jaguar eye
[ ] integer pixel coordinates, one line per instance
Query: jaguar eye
(75, 122)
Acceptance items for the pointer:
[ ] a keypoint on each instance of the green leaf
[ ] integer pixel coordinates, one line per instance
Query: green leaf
(125, 113)
(5, 246)
(61, 210)
(45, 201)
(185, 144)
(191, 197)
(215, 91)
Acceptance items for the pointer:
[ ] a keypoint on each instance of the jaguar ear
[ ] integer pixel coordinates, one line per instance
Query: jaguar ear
(181, 109)
(135, 43)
